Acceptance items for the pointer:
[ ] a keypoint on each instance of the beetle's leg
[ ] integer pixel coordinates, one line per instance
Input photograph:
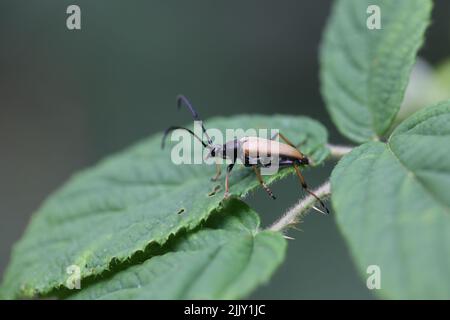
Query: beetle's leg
(218, 171)
(261, 181)
(300, 176)
(305, 187)
(284, 139)
(229, 168)
(290, 143)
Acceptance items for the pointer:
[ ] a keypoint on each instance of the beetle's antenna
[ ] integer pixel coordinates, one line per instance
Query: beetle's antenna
(170, 129)
(182, 100)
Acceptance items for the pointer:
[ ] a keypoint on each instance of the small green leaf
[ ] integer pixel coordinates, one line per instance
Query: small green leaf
(398, 216)
(226, 259)
(364, 72)
(132, 199)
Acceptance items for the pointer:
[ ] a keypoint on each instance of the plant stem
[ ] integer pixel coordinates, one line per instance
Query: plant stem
(338, 152)
(293, 215)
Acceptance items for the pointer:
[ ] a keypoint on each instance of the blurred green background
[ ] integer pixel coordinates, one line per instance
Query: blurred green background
(68, 98)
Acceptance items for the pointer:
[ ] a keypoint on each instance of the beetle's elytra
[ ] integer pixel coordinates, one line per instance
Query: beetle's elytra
(254, 152)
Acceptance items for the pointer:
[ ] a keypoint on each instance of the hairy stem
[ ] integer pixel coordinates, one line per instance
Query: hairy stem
(293, 215)
(338, 152)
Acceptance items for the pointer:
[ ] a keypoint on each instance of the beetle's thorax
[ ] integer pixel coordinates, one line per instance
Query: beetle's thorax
(229, 150)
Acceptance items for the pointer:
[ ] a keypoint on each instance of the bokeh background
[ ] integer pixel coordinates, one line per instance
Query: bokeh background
(68, 98)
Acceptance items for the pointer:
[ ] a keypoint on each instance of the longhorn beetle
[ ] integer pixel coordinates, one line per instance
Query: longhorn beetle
(254, 152)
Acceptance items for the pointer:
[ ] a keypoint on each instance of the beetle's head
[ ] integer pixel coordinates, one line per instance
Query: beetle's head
(215, 151)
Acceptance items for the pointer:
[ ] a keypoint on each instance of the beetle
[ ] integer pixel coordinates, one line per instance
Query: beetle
(254, 152)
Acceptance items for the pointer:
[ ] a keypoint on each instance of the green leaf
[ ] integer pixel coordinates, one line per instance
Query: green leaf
(398, 214)
(427, 86)
(130, 200)
(364, 72)
(226, 259)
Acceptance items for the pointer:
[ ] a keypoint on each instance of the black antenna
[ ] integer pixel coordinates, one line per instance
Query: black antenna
(170, 129)
(182, 100)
